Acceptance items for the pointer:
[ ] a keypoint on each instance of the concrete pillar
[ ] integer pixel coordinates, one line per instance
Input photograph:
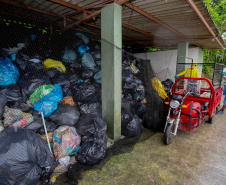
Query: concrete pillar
(111, 68)
(182, 50)
(200, 60)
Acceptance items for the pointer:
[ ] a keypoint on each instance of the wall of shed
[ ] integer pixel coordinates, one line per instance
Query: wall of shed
(162, 60)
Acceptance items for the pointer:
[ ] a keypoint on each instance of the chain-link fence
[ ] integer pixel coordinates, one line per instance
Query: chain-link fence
(58, 74)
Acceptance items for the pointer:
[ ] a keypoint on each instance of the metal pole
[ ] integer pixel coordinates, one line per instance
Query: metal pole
(47, 137)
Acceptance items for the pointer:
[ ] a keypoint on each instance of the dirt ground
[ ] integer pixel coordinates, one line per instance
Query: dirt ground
(192, 158)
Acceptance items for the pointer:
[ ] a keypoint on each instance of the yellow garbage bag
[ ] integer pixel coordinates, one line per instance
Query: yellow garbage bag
(157, 85)
(50, 63)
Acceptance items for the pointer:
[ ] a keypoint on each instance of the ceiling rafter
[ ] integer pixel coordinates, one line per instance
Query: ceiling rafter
(142, 12)
(98, 14)
(199, 14)
(29, 7)
(96, 26)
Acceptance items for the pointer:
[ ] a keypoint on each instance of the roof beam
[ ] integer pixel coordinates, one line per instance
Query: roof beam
(96, 26)
(67, 4)
(142, 12)
(92, 13)
(199, 14)
(29, 7)
(22, 17)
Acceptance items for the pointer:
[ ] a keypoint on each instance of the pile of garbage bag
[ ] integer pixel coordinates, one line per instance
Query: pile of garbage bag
(63, 81)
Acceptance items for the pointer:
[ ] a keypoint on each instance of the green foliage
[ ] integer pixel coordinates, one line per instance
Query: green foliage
(217, 9)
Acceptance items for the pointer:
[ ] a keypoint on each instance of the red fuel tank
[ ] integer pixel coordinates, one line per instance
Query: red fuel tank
(185, 113)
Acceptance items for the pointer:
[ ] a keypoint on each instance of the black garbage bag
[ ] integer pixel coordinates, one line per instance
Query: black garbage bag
(51, 72)
(128, 58)
(25, 157)
(28, 63)
(50, 126)
(74, 65)
(37, 123)
(126, 117)
(137, 81)
(138, 93)
(34, 66)
(129, 86)
(65, 115)
(21, 61)
(140, 110)
(133, 128)
(95, 51)
(128, 96)
(94, 140)
(3, 101)
(168, 83)
(87, 74)
(63, 80)
(22, 106)
(86, 92)
(91, 108)
(73, 78)
(127, 105)
(31, 81)
(127, 76)
(9, 94)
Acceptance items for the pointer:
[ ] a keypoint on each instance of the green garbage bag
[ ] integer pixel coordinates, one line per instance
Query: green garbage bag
(40, 92)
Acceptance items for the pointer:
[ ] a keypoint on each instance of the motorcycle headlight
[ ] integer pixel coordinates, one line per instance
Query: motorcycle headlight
(174, 104)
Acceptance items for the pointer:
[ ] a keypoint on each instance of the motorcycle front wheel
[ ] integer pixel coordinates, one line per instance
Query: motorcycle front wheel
(168, 135)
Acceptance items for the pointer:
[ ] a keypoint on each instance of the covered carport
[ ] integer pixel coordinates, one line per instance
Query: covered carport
(145, 24)
(134, 25)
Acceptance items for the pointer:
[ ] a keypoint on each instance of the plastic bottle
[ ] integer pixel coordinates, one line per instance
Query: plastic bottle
(23, 122)
(12, 115)
(10, 119)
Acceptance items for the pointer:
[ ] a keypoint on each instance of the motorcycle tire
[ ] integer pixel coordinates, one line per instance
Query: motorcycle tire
(168, 135)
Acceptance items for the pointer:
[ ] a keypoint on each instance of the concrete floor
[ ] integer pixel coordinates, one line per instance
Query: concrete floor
(192, 158)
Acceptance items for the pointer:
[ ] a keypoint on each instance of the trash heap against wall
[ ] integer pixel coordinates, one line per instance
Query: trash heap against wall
(60, 76)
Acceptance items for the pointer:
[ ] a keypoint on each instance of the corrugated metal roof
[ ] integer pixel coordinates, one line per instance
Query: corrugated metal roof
(154, 23)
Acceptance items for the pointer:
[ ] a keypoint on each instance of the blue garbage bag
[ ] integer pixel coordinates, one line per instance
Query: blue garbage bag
(9, 73)
(55, 95)
(68, 56)
(47, 107)
(97, 77)
(48, 104)
(82, 49)
(83, 37)
(88, 61)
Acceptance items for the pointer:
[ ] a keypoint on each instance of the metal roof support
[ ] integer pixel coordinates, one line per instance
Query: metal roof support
(199, 14)
(142, 12)
(90, 12)
(29, 7)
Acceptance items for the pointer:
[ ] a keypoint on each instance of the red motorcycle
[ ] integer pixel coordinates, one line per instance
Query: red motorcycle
(191, 101)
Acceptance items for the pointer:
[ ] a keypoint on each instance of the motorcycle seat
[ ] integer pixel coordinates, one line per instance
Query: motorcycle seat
(176, 97)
